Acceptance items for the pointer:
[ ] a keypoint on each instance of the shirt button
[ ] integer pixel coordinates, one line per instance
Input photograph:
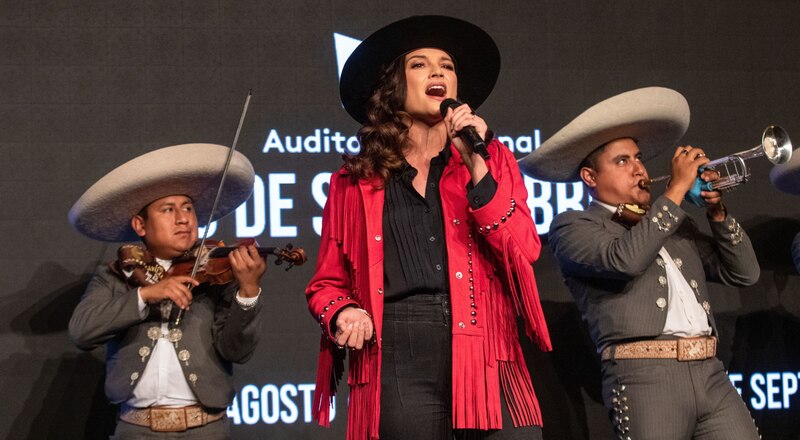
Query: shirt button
(377, 238)
(459, 275)
(438, 267)
(380, 291)
(461, 325)
(433, 184)
(431, 238)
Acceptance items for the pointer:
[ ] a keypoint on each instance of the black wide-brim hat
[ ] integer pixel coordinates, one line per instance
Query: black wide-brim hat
(475, 54)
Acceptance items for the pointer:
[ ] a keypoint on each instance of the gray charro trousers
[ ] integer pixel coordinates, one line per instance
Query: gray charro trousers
(674, 400)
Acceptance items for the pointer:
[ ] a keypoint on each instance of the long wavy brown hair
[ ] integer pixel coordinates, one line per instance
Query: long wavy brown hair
(384, 135)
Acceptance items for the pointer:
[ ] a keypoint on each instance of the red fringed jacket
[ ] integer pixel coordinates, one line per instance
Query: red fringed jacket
(490, 252)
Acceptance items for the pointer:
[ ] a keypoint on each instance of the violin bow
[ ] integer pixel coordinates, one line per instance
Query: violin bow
(219, 193)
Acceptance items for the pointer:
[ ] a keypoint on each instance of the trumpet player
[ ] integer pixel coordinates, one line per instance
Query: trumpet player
(637, 267)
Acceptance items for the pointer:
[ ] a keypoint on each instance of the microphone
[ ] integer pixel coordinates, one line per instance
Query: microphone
(468, 134)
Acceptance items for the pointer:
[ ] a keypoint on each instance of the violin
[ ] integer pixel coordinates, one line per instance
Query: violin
(215, 267)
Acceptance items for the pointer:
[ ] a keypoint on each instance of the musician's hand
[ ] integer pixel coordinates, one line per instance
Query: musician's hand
(173, 288)
(713, 199)
(685, 163)
(353, 328)
(455, 120)
(247, 267)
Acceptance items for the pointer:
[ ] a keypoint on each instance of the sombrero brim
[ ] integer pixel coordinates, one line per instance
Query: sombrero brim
(105, 210)
(475, 53)
(786, 177)
(656, 117)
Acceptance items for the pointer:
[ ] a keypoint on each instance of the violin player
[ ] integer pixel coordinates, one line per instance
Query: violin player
(170, 376)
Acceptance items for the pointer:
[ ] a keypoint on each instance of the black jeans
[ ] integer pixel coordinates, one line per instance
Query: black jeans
(416, 375)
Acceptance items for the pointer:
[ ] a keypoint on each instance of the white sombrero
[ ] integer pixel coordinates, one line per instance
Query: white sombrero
(656, 117)
(104, 211)
(786, 177)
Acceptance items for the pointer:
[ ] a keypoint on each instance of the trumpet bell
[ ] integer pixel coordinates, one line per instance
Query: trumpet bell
(777, 145)
(732, 169)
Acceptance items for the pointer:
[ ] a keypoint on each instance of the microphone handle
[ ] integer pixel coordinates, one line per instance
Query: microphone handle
(474, 141)
(468, 134)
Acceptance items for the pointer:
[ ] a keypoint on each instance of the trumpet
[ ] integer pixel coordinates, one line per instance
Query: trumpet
(732, 169)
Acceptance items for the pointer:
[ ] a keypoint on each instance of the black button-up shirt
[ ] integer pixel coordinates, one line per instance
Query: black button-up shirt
(415, 253)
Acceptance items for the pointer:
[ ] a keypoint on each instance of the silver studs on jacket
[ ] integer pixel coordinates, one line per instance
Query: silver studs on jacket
(664, 219)
(737, 235)
(504, 218)
(321, 316)
(473, 313)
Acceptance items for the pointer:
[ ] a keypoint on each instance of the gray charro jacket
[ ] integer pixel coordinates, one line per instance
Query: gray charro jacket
(216, 333)
(618, 279)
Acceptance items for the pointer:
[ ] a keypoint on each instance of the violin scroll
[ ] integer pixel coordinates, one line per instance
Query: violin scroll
(294, 256)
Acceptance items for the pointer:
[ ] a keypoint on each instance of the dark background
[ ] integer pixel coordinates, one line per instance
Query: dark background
(86, 85)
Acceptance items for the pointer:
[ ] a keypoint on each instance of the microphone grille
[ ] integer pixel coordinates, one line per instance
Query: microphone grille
(448, 103)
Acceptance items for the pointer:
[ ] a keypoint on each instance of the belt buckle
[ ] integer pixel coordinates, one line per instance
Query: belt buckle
(168, 420)
(195, 416)
(693, 349)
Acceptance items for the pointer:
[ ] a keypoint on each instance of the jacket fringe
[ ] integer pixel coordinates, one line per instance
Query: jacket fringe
(517, 388)
(330, 368)
(348, 229)
(475, 405)
(525, 295)
(364, 407)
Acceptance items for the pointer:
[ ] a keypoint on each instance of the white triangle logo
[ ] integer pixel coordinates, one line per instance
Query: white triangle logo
(344, 46)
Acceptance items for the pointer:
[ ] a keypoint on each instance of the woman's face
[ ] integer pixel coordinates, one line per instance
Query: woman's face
(430, 79)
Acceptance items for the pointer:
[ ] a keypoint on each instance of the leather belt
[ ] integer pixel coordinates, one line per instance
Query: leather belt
(682, 349)
(161, 419)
